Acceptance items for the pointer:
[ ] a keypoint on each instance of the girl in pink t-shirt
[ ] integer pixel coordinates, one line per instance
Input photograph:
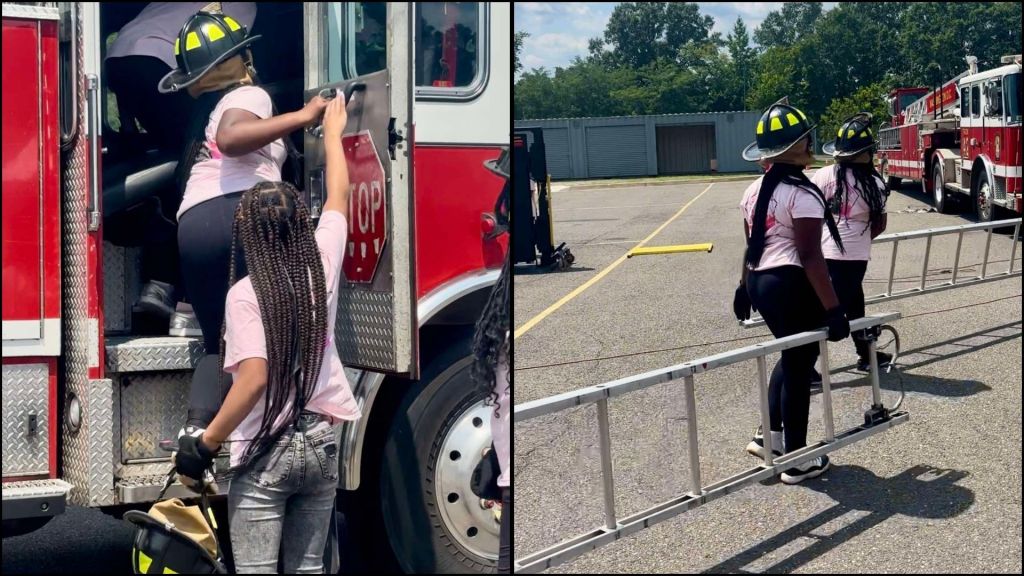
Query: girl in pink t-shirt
(490, 371)
(856, 195)
(289, 392)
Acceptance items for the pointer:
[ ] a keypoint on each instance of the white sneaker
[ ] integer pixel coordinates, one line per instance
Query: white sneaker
(756, 446)
(810, 469)
(184, 324)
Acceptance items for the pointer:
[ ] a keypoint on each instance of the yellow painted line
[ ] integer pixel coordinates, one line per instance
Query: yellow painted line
(579, 290)
(670, 249)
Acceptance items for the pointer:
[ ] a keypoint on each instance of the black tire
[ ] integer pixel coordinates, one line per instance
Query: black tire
(939, 195)
(892, 182)
(984, 209)
(419, 536)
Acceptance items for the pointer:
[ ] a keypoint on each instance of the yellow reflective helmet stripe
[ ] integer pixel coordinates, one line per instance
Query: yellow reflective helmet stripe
(213, 32)
(863, 134)
(776, 124)
(191, 41)
(231, 23)
(849, 132)
(760, 126)
(169, 571)
(793, 120)
(144, 562)
(840, 133)
(177, 46)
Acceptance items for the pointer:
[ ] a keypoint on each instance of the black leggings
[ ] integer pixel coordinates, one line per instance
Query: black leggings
(204, 240)
(848, 279)
(789, 305)
(505, 539)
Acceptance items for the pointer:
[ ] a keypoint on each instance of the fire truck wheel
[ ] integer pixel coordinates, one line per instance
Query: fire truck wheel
(940, 198)
(892, 182)
(433, 520)
(983, 206)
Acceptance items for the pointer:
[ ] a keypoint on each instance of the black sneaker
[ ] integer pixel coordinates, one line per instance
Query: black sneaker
(756, 446)
(864, 364)
(809, 469)
(157, 298)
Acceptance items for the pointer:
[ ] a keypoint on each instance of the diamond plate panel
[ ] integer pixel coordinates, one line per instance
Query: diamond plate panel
(115, 312)
(153, 407)
(363, 331)
(88, 452)
(25, 393)
(134, 354)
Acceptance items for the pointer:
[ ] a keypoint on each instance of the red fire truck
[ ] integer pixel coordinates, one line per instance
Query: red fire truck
(962, 138)
(87, 396)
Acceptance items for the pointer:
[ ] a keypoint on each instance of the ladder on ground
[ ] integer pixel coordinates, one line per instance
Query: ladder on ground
(877, 419)
(956, 281)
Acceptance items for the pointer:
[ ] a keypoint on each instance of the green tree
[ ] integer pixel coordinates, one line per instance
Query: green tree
(786, 26)
(642, 32)
(743, 59)
(535, 96)
(519, 37)
(867, 99)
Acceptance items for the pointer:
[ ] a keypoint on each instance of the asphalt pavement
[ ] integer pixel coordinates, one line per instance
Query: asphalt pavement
(939, 494)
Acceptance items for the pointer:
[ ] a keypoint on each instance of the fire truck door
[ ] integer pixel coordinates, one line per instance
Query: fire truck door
(365, 49)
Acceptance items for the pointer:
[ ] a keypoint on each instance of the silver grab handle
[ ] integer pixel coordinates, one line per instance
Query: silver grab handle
(92, 100)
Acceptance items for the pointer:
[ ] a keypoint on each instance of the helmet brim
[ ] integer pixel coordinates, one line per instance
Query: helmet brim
(754, 154)
(830, 149)
(177, 79)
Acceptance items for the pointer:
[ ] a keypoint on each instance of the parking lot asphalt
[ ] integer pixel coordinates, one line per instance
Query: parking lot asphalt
(939, 494)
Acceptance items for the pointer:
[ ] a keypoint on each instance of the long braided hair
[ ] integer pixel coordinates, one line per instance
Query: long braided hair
(491, 343)
(866, 178)
(276, 233)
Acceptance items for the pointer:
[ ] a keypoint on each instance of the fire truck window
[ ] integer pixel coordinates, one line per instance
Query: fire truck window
(965, 101)
(356, 39)
(449, 57)
(994, 98)
(907, 100)
(975, 101)
(1011, 97)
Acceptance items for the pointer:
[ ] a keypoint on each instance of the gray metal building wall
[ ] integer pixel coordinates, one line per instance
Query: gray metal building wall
(627, 145)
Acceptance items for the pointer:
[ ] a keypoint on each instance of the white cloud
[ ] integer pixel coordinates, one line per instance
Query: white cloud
(531, 61)
(557, 43)
(535, 6)
(575, 8)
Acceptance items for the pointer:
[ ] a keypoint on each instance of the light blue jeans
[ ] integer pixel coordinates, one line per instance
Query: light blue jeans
(281, 505)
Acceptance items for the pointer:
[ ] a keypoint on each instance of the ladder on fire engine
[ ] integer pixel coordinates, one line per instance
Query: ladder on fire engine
(877, 419)
(956, 281)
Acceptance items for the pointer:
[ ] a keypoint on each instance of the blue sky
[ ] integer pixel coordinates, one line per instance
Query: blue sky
(559, 30)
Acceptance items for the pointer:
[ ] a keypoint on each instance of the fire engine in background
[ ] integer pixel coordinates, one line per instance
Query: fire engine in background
(961, 138)
(87, 394)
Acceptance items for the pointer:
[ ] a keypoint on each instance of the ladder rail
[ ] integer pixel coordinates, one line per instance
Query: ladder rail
(922, 287)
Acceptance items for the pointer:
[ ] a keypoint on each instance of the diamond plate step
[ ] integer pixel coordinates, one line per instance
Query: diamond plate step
(146, 354)
(33, 498)
(142, 483)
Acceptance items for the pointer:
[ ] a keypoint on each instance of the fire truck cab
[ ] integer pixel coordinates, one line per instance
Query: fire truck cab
(89, 388)
(962, 139)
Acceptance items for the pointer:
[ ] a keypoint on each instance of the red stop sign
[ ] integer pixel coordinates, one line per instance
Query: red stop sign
(367, 219)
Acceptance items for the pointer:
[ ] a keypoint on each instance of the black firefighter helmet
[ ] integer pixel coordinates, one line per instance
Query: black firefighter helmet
(780, 127)
(854, 137)
(206, 40)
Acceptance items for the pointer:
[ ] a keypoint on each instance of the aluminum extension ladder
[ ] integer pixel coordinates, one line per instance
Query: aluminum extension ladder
(928, 234)
(877, 420)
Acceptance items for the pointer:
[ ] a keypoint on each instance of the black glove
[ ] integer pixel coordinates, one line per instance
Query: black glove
(838, 325)
(741, 303)
(192, 458)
